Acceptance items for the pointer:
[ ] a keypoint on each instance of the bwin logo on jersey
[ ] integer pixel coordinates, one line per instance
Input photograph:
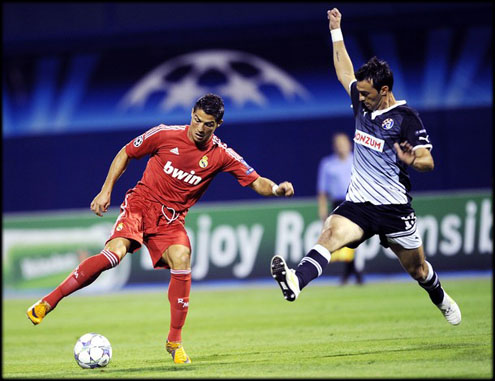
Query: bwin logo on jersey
(388, 124)
(187, 177)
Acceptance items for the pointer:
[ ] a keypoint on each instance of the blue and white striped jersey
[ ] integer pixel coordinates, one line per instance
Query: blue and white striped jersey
(378, 176)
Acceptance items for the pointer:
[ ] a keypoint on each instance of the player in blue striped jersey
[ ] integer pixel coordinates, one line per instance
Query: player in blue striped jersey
(389, 138)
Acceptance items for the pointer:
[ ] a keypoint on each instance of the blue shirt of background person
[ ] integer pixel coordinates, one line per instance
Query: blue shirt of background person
(334, 174)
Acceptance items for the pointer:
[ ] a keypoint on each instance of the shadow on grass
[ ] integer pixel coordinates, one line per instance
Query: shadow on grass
(153, 368)
(425, 347)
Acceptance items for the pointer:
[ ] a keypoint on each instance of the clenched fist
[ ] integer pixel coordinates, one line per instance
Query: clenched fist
(334, 18)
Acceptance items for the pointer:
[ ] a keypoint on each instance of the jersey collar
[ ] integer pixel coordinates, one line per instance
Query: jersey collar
(374, 114)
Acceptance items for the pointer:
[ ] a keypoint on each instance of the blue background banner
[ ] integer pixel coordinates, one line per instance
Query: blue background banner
(81, 80)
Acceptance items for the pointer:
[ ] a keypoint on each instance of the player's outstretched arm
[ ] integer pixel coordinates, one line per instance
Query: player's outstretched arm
(420, 159)
(341, 60)
(267, 187)
(101, 202)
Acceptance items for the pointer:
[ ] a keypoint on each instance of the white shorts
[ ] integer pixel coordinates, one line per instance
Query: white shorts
(406, 239)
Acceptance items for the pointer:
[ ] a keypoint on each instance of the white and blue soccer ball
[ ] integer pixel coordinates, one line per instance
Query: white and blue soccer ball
(92, 350)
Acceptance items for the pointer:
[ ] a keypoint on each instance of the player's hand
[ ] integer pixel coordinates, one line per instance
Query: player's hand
(405, 152)
(100, 203)
(285, 189)
(334, 18)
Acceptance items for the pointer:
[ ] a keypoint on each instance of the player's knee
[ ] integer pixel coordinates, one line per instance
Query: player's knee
(117, 247)
(417, 272)
(331, 238)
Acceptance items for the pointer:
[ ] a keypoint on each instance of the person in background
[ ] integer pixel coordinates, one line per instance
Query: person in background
(334, 174)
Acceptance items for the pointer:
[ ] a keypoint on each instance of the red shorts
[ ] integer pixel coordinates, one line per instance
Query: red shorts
(143, 221)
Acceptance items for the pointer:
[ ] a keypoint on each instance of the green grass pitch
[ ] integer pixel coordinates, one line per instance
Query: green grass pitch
(379, 330)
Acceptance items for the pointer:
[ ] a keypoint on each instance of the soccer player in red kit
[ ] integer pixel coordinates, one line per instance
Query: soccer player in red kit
(183, 161)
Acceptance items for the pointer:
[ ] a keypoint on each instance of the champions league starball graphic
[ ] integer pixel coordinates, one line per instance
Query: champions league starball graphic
(180, 81)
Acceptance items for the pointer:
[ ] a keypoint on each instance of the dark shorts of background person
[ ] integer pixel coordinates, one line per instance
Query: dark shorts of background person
(395, 222)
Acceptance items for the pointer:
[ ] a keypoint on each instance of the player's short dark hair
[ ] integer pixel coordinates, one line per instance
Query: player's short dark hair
(378, 71)
(212, 105)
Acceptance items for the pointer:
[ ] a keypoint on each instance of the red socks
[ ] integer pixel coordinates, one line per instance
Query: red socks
(89, 269)
(178, 296)
(84, 274)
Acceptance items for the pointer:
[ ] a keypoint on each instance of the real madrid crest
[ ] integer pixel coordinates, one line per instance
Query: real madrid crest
(203, 163)
(120, 226)
(388, 123)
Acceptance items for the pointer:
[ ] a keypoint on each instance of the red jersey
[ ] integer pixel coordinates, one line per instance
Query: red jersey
(178, 172)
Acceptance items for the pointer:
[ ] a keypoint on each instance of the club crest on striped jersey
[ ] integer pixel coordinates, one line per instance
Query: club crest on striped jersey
(369, 141)
(138, 141)
(203, 163)
(387, 124)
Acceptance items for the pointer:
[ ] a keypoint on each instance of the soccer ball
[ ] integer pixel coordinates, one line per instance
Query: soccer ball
(92, 350)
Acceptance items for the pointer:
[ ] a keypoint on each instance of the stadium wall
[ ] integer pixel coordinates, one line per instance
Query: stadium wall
(66, 171)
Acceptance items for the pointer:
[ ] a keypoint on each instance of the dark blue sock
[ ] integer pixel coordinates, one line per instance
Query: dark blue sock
(312, 265)
(433, 287)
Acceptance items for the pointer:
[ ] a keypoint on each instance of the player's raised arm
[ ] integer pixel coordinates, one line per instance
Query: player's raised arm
(341, 59)
(267, 187)
(119, 164)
